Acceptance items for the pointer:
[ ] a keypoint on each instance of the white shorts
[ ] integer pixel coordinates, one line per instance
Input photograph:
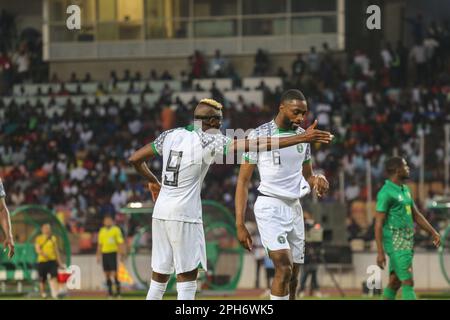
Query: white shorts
(281, 225)
(178, 246)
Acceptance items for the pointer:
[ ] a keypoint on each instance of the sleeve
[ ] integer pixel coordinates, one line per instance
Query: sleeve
(251, 156)
(119, 237)
(100, 237)
(307, 154)
(157, 145)
(224, 146)
(382, 202)
(2, 190)
(218, 143)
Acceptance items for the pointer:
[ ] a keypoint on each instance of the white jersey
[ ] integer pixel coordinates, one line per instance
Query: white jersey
(187, 154)
(280, 170)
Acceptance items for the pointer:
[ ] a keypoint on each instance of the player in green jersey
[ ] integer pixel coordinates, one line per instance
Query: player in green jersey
(396, 214)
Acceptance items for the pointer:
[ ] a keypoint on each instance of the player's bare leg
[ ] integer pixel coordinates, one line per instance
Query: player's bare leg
(158, 286)
(187, 285)
(282, 260)
(294, 281)
(116, 282)
(42, 288)
(53, 282)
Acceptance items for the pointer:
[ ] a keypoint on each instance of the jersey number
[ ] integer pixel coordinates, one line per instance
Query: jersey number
(173, 168)
(276, 157)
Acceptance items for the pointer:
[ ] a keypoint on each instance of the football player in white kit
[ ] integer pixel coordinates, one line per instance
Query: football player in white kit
(286, 176)
(5, 223)
(177, 229)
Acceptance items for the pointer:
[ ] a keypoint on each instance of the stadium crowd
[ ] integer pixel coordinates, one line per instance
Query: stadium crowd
(74, 159)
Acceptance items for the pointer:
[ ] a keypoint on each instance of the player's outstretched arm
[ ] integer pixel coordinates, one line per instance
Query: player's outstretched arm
(5, 221)
(138, 159)
(268, 143)
(424, 224)
(379, 221)
(241, 197)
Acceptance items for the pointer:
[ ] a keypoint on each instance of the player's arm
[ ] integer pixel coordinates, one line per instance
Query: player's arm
(138, 159)
(99, 248)
(379, 222)
(317, 182)
(268, 143)
(241, 197)
(122, 247)
(424, 224)
(5, 221)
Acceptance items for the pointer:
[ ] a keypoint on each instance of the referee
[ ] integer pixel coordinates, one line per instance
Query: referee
(48, 260)
(110, 245)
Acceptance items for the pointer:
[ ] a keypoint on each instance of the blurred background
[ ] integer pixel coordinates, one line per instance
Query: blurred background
(76, 103)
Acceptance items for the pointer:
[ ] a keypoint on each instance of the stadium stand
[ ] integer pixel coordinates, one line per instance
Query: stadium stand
(48, 153)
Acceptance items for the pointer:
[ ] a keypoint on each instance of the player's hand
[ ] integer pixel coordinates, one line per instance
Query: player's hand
(9, 244)
(320, 185)
(244, 237)
(154, 188)
(381, 260)
(437, 240)
(314, 135)
(98, 258)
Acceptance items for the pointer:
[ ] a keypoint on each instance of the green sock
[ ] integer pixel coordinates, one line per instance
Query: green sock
(408, 293)
(389, 294)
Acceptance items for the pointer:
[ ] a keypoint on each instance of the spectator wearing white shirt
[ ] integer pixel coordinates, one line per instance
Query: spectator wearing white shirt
(419, 56)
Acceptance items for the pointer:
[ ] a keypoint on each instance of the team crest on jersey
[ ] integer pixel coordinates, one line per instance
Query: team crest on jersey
(281, 239)
(300, 148)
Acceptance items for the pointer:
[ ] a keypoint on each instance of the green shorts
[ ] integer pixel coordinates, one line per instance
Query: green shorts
(400, 262)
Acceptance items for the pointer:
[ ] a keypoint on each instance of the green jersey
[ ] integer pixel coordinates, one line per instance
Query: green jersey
(398, 230)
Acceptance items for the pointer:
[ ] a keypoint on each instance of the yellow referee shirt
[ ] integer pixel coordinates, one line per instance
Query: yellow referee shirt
(48, 248)
(110, 239)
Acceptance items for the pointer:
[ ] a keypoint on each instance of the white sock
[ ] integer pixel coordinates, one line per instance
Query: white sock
(156, 290)
(186, 290)
(272, 297)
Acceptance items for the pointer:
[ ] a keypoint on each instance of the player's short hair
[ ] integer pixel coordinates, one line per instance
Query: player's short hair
(392, 165)
(292, 94)
(212, 103)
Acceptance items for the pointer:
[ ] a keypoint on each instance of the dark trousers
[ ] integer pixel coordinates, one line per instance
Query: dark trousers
(309, 270)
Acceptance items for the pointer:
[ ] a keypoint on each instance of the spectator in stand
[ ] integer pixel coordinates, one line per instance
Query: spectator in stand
(73, 78)
(298, 69)
(126, 75)
(55, 78)
(419, 56)
(6, 73)
(153, 75)
(137, 76)
(261, 64)
(113, 77)
(218, 66)
(313, 61)
(87, 78)
(198, 65)
(21, 62)
(166, 76)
